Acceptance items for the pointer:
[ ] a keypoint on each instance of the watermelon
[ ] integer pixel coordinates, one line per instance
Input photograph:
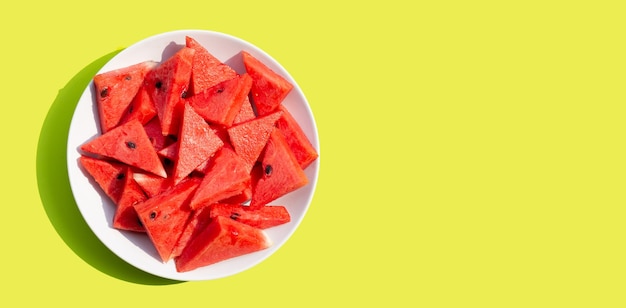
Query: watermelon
(165, 215)
(263, 217)
(226, 177)
(245, 113)
(197, 143)
(206, 70)
(125, 217)
(127, 143)
(249, 138)
(221, 103)
(151, 184)
(108, 175)
(269, 89)
(282, 173)
(153, 130)
(198, 221)
(298, 142)
(116, 89)
(221, 239)
(167, 85)
(141, 108)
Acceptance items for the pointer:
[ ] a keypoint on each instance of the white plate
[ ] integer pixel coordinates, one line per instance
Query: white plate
(97, 209)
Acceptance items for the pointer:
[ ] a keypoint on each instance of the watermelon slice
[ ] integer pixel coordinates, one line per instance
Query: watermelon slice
(263, 217)
(108, 175)
(298, 142)
(227, 177)
(167, 85)
(198, 221)
(140, 108)
(151, 184)
(268, 89)
(206, 70)
(282, 172)
(221, 103)
(127, 143)
(125, 217)
(164, 216)
(245, 113)
(116, 89)
(198, 142)
(249, 138)
(153, 130)
(221, 239)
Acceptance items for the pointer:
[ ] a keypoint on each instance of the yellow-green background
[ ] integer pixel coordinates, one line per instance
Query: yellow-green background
(472, 153)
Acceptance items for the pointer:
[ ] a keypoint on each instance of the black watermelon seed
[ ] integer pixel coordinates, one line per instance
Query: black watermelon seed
(120, 176)
(158, 84)
(130, 144)
(104, 92)
(268, 170)
(184, 94)
(167, 161)
(220, 90)
(127, 77)
(153, 215)
(234, 215)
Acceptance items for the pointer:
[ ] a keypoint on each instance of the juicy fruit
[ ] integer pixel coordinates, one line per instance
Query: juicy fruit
(198, 155)
(116, 89)
(221, 239)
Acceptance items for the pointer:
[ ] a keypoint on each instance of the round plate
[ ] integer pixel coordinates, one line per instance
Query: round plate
(98, 210)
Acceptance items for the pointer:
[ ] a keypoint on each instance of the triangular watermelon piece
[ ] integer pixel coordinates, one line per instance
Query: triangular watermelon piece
(207, 70)
(282, 172)
(263, 217)
(116, 89)
(125, 217)
(108, 174)
(153, 130)
(221, 103)
(167, 85)
(140, 108)
(246, 112)
(197, 143)
(298, 142)
(198, 221)
(268, 89)
(249, 138)
(221, 239)
(164, 216)
(227, 177)
(127, 143)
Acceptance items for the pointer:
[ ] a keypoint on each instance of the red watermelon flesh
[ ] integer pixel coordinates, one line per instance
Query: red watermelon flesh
(125, 217)
(249, 138)
(223, 238)
(240, 198)
(153, 130)
(268, 89)
(282, 173)
(167, 85)
(127, 143)
(207, 70)
(198, 221)
(226, 177)
(298, 142)
(108, 175)
(263, 217)
(164, 216)
(197, 143)
(246, 112)
(221, 103)
(151, 184)
(116, 89)
(140, 108)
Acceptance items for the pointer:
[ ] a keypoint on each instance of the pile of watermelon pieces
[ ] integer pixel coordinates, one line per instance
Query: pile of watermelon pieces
(193, 153)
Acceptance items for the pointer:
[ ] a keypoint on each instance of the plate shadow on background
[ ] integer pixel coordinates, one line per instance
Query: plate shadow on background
(54, 186)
